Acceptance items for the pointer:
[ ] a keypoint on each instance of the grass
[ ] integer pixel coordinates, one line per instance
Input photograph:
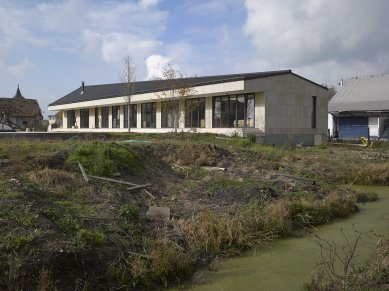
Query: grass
(102, 227)
(105, 159)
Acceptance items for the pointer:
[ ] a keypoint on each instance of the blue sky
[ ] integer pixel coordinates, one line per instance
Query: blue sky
(50, 46)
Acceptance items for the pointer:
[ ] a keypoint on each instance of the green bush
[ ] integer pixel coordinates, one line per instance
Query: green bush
(129, 211)
(86, 238)
(105, 158)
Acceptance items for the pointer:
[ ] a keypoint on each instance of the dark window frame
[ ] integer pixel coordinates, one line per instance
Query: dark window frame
(84, 118)
(314, 112)
(133, 115)
(115, 111)
(195, 113)
(71, 118)
(104, 117)
(227, 117)
(97, 121)
(149, 115)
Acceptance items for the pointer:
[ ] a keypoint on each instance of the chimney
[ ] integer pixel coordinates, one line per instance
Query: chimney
(82, 87)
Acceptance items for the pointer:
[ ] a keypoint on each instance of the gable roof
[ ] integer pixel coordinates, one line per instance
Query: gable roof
(362, 94)
(95, 92)
(20, 106)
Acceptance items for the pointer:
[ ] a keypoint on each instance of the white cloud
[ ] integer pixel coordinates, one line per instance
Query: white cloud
(148, 3)
(303, 33)
(21, 68)
(155, 66)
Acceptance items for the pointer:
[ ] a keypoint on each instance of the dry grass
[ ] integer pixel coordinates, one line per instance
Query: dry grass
(371, 174)
(51, 177)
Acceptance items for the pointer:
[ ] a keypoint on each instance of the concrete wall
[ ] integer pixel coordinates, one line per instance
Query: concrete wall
(288, 113)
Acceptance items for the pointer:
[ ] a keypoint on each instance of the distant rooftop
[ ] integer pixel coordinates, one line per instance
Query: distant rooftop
(362, 94)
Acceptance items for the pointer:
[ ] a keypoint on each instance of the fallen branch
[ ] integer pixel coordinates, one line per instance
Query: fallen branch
(148, 193)
(134, 186)
(214, 168)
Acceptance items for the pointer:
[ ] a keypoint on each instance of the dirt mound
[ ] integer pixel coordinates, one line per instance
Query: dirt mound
(198, 155)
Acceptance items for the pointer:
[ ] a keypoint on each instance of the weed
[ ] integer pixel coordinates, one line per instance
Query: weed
(15, 242)
(86, 238)
(68, 224)
(129, 211)
(22, 216)
(370, 174)
(105, 158)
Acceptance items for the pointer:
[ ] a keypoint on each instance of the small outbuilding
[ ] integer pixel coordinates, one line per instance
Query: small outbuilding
(20, 113)
(361, 109)
(277, 107)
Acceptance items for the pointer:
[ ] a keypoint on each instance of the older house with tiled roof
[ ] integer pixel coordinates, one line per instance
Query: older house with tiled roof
(19, 112)
(361, 108)
(276, 106)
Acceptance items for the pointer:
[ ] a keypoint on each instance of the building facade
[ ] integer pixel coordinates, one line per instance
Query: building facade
(361, 109)
(277, 107)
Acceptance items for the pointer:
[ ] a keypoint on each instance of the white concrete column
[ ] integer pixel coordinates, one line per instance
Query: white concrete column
(138, 116)
(110, 117)
(158, 118)
(181, 121)
(64, 119)
(208, 112)
(121, 110)
(259, 111)
(78, 119)
(92, 118)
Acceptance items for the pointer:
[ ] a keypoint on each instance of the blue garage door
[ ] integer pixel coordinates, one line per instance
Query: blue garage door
(353, 127)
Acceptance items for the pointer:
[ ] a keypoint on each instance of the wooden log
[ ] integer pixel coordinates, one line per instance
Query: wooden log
(83, 173)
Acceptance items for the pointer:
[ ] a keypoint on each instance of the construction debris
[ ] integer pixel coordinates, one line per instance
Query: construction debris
(133, 186)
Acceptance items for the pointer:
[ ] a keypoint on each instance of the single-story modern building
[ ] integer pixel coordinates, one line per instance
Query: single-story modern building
(361, 109)
(20, 113)
(277, 106)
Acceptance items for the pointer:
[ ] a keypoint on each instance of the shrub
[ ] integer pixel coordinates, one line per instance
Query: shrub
(105, 158)
(86, 238)
(129, 211)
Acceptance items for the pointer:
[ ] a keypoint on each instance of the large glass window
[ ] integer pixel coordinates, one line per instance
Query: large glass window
(170, 114)
(233, 111)
(71, 116)
(97, 120)
(149, 115)
(133, 110)
(104, 117)
(115, 116)
(84, 118)
(195, 113)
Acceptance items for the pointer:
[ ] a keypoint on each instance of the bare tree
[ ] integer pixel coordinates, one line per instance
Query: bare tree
(331, 91)
(176, 94)
(127, 77)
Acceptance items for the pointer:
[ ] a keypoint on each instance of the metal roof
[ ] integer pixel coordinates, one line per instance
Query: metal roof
(95, 92)
(362, 94)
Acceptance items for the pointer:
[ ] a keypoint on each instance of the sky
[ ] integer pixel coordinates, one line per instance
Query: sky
(49, 46)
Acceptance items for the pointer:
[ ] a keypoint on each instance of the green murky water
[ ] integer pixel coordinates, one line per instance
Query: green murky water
(286, 264)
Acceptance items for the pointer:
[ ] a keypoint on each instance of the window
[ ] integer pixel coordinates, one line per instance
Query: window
(84, 118)
(170, 114)
(104, 117)
(97, 121)
(71, 116)
(234, 111)
(313, 111)
(195, 113)
(115, 117)
(133, 110)
(149, 115)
